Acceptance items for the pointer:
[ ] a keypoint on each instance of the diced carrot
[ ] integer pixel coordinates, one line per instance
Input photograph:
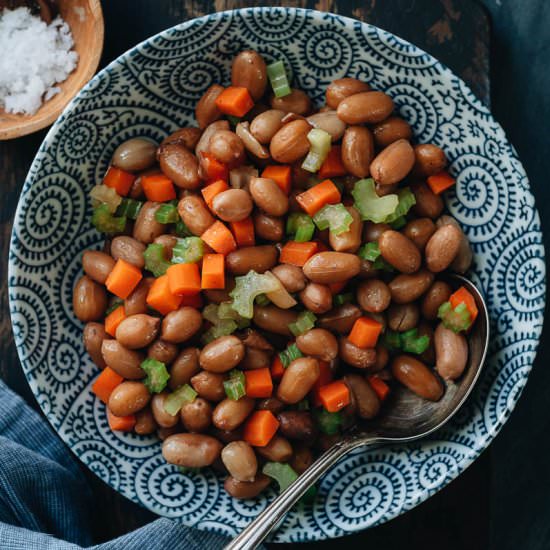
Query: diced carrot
(158, 188)
(325, 376)
(213, 169)
(440, 182)
(193, 300)
(464, 296)
(213, 271)
(379, 386)
(258, 382)
(121, 423)
(336, 288)
(318, 196)
(235, 101)
(160, 297)
(297, 253)
(277, 368)
(260, 428)
(119, 180)
(123, 279)
(213, 189)
(105, 383)
(219, 238)
(334, 396)
(244, 232)
(365, 332)
(184, 279)
(281, 175)
(114, 319)
(333, 166)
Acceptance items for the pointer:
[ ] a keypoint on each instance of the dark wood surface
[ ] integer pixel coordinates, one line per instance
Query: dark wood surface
(457, 33)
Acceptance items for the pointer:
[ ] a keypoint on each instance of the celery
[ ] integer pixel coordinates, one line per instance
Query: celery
(247, 287)
(101, 194)
(278, 79)
(412, 343)
(155, 261)
(157, 375)
(304, 322)
(329, 422)
(129, 208)
(104, 221)
(319, 148)
(176, 400)
(406, 200)
(167, 213)
(300, 227)
(456, 319)
(341, 299)
(334, 217)
(235, 386)
(188, 251)
(369, 251)
(372, 207)
(290, 354)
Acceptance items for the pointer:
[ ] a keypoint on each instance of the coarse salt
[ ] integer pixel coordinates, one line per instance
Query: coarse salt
(34, 57)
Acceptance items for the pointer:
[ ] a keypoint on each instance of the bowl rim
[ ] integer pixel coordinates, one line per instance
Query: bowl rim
(28, 124)
(442, 71)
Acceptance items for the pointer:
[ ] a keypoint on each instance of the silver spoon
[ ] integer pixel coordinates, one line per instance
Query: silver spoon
(406, 417)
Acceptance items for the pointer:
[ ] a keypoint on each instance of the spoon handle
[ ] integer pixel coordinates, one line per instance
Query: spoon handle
(258, 529)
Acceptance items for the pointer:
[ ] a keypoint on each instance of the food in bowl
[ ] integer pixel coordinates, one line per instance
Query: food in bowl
(268, 276)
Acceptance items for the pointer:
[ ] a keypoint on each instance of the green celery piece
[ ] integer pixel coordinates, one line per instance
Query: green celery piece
(319, 148)
(304, 322)
(335, 217)
(117, 302)
(278, 78)
(210, 313)
(235, 386)
(341, 299)
(155, 261)
(167, 213)
(382, 265)
(406, 200)
(226, 312)
(300, 227)
(372, 207)
(182, 230)
(369, 251)
(290, 354)
(412, 343)
(283, 474)
(177, 399)
(399, 223)
(105, 222)
(392, 340)
(247, 287)
(129, 208)
(223, 327)
(456, 319)
(329, 422)
(188, 250)
(157, 375)
(101, 194)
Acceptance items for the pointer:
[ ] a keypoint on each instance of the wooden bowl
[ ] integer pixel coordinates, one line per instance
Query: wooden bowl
(85, 19)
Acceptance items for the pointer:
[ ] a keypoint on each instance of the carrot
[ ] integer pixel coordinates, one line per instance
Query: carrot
(119, 180)
(365, 332)
(334, 396)
(160, 298)
(277, 369)
(333, 164)
(210, 191)
(244, 232)
(123, 279)
(336, 288)
(325, 376)
(297, 253)
(213, 169)
(184, 279)
(193, 300)
(158, 188)
(463, 296)
(260, 428)
(318, 196)
(213, 271)
(234, 101)
(105, 383)
(121, 423)
(440, 181)
(258, 382)
(219, 238)
(379, 386)
(281, 175)
(114, 319)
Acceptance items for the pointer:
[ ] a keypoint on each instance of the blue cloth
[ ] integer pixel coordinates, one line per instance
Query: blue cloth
(44, 500)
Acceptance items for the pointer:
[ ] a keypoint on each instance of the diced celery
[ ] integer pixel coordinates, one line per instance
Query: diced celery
(235, 386)
(277, 77)
(104, 221)
(300, 227)
(335, 217)
(157, 375)
(155, 260)
(456, 319)
(369, 251)
(319, 149)
(177, 399)
(167, 213)
(290, 354)
(188, 251)
(101, 194)
(329, 422)
(372, 207)
(129, 208)
(247, 287)
(304, 322)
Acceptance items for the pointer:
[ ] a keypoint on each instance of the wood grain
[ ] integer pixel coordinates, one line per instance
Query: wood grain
(457, 33)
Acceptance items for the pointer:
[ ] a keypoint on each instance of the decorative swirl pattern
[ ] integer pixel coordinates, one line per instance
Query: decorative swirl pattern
(150, 92)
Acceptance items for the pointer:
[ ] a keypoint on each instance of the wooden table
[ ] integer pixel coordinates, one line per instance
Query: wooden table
(454, 31)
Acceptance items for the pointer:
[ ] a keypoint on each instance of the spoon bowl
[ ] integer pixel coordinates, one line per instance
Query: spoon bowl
(406, 417)
(85, 19)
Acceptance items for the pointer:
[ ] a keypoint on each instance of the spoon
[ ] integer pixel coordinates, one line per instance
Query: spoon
(407, 417)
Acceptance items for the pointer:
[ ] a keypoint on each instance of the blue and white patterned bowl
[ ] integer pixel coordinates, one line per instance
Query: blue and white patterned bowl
(151, 90)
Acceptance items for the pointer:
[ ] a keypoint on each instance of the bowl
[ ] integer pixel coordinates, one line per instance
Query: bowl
(151, 91)
(85, 19)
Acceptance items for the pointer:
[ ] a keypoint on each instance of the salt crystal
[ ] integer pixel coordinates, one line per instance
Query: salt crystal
(34, 56)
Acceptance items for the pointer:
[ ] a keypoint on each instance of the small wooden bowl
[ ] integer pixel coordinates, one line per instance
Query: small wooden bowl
(85, 18)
